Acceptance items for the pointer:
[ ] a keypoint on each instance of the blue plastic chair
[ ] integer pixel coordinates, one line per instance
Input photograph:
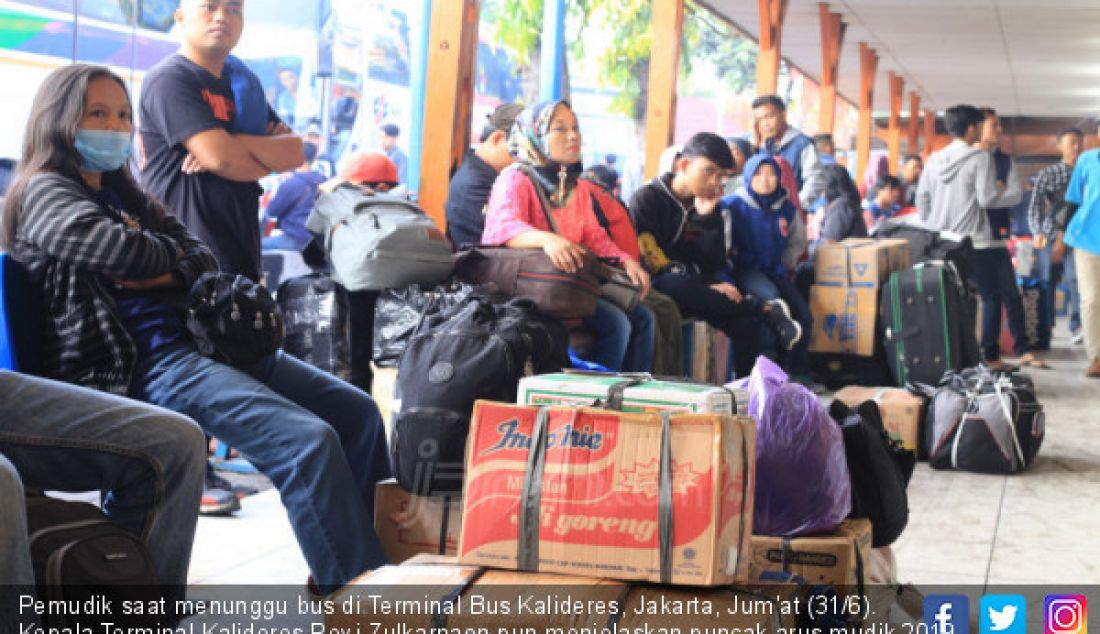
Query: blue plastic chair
(20, 331)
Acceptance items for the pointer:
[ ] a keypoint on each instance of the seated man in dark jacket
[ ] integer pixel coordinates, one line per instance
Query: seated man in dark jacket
(471, 184)
(683, 244)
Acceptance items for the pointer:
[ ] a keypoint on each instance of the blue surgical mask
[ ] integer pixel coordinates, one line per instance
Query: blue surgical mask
(102, 150)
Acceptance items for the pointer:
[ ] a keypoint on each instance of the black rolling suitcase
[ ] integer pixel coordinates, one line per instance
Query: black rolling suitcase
(315, 309)
(928, 317)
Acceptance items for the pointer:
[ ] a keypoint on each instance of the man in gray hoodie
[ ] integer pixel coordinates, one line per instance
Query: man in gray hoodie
(957, 186)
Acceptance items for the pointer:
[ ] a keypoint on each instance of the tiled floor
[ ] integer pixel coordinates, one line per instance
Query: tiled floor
(965, 528)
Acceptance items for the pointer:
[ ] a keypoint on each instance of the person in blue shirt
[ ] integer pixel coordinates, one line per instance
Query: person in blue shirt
(884, 199)
(1083, 234)
(390, 132)
(767, 240)
(292, 204)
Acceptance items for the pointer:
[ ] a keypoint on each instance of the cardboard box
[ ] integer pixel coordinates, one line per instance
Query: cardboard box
(901, 410)
(835, 558)
(844, 319)
(648, 396)
(859, 262)
(598, 513)
(402, 599)
(422, 520)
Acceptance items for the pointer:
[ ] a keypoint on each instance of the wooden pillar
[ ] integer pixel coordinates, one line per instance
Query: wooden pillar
(664, 65)
(893, 129)
(448, 105)
(832, 40)
(929, 132)
(772, 14)
(868, 65)
(914, 123)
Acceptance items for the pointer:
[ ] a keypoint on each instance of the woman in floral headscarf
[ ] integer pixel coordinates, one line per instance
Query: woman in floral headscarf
(546, 141)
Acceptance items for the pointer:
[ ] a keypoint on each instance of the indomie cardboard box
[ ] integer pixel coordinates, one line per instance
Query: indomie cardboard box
(648, 396)
(408, 525)
(844, 319)
(436, 594)
(598, 513)
(838, 558)
(859, 262)
(901, 410)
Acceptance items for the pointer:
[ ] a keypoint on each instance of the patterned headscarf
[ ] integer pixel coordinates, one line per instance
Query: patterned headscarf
(527, 143)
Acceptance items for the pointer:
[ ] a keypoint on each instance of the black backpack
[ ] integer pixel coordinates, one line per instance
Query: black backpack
(78, 553)
(477, 349)
(879, 468)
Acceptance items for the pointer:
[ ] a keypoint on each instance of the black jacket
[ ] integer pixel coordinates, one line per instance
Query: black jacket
(677, 234)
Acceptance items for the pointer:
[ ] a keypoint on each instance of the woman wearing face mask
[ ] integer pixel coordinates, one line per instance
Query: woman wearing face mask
(112, 265)
(546, 138)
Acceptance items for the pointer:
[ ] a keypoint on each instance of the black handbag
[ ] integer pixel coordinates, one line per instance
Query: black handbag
(233, 320)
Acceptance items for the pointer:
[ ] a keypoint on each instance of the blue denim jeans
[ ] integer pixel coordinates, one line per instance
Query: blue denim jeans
(150, 461)
(623, 341)
(319, 439)
(1073, 295)
(766, 288)
(996, 282)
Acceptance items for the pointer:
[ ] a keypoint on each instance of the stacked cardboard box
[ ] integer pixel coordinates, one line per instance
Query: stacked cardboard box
(901, 410)
(838, 558)
(409, 525)
(438, 594)
(647, 396)
(597, 510)
(844, 298)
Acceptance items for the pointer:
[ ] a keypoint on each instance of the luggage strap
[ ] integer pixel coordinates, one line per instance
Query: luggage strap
(443, 525)
(439, 616)
(527, 548)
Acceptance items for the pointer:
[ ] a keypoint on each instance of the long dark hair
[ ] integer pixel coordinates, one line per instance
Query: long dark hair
(839, 184)
(48, 142)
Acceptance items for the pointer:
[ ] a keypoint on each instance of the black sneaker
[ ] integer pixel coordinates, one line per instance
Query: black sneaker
(213, 480)
(217, 496)
(778, 316)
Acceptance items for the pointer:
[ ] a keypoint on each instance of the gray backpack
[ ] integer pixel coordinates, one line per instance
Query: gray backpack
(376, 241)
(984, 422)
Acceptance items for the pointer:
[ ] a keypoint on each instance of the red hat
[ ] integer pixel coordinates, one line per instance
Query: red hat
(369, 167)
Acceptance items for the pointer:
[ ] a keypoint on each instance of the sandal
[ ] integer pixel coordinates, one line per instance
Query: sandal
(1031, 361)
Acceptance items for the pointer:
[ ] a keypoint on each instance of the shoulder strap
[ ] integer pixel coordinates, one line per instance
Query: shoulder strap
(600, 216)
(528, 171)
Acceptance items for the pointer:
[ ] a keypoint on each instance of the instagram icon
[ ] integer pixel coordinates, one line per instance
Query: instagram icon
(1066, 614)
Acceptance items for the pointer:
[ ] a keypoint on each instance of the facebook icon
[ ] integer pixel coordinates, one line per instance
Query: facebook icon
(947, 614)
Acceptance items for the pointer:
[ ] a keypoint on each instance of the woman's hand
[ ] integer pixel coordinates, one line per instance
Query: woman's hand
(168, 280)
(637, 275)
(565, 255)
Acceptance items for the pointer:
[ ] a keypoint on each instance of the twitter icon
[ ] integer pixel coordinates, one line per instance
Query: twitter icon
(1003, 614)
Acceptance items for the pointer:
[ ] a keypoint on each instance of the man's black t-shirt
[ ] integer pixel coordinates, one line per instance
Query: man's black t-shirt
(466, 199)
(178, 100)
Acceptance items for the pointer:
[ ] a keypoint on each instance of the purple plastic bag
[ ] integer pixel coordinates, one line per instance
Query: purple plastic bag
(802, 482)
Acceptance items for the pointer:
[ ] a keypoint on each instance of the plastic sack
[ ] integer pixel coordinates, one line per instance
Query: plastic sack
(315, 309)
(802, 482)
(398, 311)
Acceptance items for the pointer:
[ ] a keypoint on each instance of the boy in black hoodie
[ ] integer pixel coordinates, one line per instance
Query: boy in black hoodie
(683, 244)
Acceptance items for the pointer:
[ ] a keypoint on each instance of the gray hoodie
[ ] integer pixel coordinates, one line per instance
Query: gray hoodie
(958, 184)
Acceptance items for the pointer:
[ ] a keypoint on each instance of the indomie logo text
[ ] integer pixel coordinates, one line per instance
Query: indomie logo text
(566, 436)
